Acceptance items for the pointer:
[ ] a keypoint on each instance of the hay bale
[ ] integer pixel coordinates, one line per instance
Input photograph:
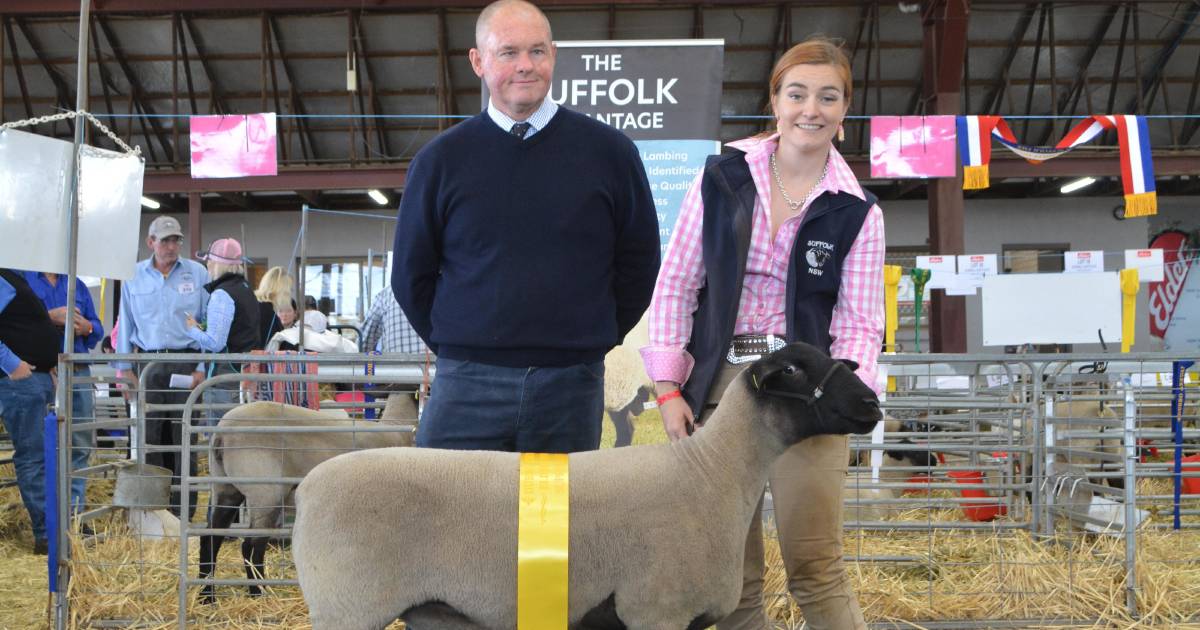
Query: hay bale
(956, 575)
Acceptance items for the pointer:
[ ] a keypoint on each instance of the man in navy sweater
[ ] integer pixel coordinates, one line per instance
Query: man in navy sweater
(526, 248)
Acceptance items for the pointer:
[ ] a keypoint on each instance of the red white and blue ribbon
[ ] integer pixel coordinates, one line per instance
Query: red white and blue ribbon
(975, 134)
(975, 147)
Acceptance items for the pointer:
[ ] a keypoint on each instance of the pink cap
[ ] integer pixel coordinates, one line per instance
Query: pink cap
(224, 250)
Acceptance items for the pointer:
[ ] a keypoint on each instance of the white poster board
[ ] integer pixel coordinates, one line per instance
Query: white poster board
(33, 206)
(1051, 308)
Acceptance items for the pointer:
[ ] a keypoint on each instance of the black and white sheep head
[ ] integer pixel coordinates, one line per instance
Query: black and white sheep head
(802, 392)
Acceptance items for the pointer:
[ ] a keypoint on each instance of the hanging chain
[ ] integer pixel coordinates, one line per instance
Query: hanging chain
(70, 115)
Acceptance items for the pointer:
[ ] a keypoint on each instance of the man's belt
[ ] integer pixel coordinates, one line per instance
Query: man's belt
(747, 348)
(166, 350)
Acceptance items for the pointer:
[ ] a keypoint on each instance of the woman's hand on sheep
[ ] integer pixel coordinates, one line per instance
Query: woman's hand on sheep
(678, 420)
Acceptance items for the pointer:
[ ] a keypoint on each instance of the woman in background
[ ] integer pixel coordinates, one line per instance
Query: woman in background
(233, 319)
(275, 301)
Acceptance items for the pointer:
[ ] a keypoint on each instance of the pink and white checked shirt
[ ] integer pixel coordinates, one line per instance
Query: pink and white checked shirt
(857, 322)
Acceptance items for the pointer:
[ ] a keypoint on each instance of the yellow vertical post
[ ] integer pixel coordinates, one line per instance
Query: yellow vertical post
(103, 288)
(1129, 290)
(891, 287)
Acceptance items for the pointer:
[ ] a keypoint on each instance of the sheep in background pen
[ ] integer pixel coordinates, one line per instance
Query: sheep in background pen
(1078, 413)
(861, 500)
(657, 532)
(280, 455)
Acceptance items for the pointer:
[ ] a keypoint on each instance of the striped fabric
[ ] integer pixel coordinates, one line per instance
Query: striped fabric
(288, 393)
(857, 326)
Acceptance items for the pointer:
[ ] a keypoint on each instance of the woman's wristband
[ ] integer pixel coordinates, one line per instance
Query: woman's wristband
(669, 396)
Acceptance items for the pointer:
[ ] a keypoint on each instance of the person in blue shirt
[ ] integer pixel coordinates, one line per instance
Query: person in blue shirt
(155, 303)
(51, 289)
(29, 346)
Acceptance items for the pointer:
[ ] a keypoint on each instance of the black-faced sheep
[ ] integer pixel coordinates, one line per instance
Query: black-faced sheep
(866, 499)
(280, 455)
(657, 532)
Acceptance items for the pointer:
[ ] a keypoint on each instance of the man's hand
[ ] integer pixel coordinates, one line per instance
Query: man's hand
(190, 321)
(197, 378)
(123, 385)
(58, 315)
(23, 371)
(83, 327)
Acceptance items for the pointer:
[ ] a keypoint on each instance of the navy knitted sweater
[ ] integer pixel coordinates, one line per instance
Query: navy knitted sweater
(536, 252)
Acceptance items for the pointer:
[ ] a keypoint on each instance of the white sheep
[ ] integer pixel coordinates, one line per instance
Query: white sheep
(657, 532)
(1079, 412)
(626, 386)
(280, 455)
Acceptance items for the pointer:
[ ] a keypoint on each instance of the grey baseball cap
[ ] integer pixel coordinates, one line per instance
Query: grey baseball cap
(163, 227)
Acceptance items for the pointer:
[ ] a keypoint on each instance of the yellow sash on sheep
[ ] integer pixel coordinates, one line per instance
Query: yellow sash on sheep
(542, 530)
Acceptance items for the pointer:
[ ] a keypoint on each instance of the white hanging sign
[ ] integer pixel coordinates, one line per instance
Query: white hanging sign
(941, 268)
(977, 265)
(1087, 261)
(33, 206)
(1148, 262)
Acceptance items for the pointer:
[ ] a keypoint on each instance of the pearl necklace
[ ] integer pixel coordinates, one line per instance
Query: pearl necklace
(795, 205)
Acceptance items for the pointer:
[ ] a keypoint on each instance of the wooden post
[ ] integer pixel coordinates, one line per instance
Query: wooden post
(195, 241)
(944, 48)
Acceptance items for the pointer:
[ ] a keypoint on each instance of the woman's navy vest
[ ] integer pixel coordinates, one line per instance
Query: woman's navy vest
(825, 236)
(244, 330)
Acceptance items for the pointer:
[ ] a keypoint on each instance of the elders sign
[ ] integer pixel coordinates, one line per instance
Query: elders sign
(1174, 303)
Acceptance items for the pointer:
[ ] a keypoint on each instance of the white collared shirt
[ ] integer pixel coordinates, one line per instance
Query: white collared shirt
(537, 121)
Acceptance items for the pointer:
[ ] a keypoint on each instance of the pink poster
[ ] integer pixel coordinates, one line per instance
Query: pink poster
(912, 146)
(237, 145)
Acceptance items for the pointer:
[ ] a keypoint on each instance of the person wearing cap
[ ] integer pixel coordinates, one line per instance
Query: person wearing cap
(233, 318)
(51, 289)
(155, 303)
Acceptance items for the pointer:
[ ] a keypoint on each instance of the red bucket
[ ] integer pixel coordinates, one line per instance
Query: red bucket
(976, 511)
(922, 482)
(358, 397)
(1191, 485)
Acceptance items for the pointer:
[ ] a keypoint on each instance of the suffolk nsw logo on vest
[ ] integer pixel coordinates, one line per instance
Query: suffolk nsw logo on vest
(1174, 303)
(819, 253)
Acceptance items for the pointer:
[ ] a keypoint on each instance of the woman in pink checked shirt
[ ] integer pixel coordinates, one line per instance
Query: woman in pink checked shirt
(778, 226)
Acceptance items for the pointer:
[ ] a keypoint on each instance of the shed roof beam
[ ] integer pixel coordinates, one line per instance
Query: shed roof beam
(136, 89)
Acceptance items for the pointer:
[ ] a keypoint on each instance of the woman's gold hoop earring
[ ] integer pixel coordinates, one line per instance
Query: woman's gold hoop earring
(841, 133)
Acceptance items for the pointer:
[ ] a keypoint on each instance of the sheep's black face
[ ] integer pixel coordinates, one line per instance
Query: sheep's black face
(808, 393)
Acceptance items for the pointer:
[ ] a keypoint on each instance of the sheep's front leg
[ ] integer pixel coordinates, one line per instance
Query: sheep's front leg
(254, 552)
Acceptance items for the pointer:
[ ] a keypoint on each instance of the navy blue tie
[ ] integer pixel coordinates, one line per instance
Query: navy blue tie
(520, 129)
